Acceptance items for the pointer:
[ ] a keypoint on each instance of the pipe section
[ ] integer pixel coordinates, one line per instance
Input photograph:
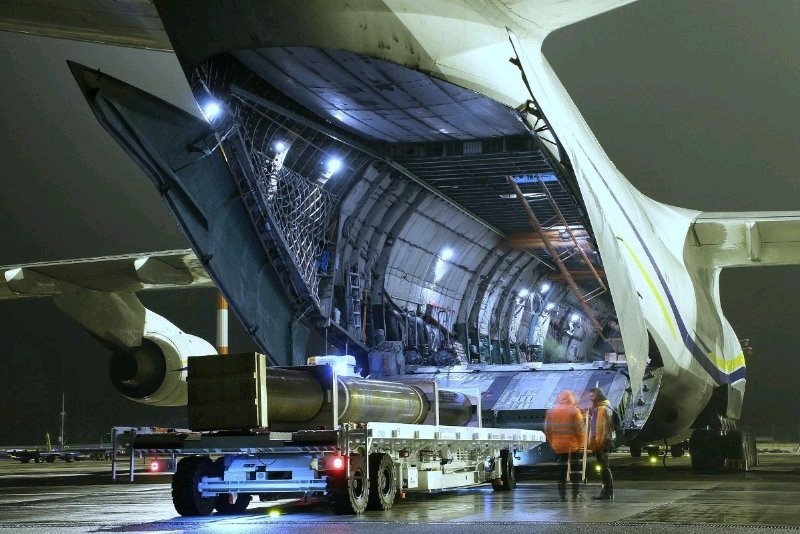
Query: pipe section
(455, 409)
(376, 400)
(292, 396)
(296, 396)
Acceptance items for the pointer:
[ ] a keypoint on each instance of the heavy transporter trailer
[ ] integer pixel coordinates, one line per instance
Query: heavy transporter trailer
(358, 466)
(310, 430)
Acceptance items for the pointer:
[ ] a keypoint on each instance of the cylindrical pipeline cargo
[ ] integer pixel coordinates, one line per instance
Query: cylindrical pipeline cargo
(296, 396)
(376, 400)
(292, 396)
(455, 408)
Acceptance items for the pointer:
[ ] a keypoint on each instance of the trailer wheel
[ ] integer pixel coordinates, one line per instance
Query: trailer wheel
(185, 496)
(349, 494)
(222, 503)
(508, 478)
(224, 506)
(382, 485)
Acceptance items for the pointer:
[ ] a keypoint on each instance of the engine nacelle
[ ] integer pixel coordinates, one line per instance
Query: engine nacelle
(154, 373)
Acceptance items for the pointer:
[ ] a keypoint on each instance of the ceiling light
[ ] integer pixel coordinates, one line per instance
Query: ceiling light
(211, 110)
(545, 287)
(334, 164)
(526, 195)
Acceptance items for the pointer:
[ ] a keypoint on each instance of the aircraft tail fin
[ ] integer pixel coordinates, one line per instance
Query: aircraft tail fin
(748, 239)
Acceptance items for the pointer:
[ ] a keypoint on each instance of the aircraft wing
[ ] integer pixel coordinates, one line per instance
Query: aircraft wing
(129, 272)
(136, 23)
(133, 23)
(748, 239)
(550, 15)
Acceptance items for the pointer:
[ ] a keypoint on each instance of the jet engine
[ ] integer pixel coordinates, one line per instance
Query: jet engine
(154, 372)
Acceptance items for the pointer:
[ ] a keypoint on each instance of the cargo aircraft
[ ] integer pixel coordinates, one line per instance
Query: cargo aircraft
(409, 182)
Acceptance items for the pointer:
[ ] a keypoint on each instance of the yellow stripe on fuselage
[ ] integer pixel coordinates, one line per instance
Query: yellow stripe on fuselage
(653, 288)
(727, 366)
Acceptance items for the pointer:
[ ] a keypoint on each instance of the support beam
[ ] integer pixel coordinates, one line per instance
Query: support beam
(554, 254)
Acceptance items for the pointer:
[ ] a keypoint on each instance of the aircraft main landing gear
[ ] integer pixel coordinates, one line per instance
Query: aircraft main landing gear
(713, 451)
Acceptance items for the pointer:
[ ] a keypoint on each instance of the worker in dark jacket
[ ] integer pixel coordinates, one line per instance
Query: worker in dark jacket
(564, 428)
(601, 427)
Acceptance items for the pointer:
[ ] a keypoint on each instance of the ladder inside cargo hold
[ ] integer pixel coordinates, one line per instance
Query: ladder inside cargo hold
(355, 303)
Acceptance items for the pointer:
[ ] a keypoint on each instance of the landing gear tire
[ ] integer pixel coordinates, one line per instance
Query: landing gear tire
(676, 451)
(382, 483)
(707, 450)
(508, 478)
(349, 493)
(751, 450)
(186, 498)
(742, 451)
(636, 450)
(222, 503)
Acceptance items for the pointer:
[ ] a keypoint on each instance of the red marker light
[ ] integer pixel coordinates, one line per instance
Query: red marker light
(338, 462)
(153, 466)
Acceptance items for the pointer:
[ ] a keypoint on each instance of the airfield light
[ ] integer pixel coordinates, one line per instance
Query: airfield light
(154, 466)
(598, 468)
(523, 293)
(545, 287)
(653, 460)
(338, 463)
(211, 110)
(274, 512)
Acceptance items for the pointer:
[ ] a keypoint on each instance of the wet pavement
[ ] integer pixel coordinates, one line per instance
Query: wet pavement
(649, 497)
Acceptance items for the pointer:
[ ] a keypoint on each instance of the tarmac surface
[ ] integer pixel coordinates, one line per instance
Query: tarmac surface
(661, 496)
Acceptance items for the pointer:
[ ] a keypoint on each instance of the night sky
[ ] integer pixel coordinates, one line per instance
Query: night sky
(696, 103)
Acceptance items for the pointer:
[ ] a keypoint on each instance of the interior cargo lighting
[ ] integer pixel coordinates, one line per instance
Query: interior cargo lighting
(280, 146)
(545, 287)
(549, 306)
(523, 293)
(446, 254)
(574, 317)
(211, 110)
(334, 164)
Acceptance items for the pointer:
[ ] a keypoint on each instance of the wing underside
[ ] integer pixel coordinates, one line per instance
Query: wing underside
(124, 273)
(748, 239)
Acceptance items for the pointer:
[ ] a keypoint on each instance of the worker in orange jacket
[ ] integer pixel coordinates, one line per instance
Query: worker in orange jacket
(564, 428)
(601, 440)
